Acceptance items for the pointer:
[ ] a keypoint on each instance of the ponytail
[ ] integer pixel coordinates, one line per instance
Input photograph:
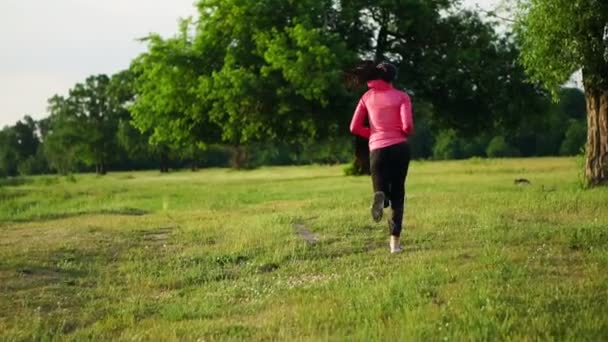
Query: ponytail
(367, 70)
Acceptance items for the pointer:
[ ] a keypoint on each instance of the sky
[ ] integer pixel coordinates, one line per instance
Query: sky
(47, 46)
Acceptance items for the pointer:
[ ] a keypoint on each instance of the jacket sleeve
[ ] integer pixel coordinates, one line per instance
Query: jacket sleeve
(356, 125)
(407, 121)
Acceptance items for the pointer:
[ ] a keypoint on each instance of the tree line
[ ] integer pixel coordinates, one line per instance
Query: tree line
(91, 145)
(241, 86)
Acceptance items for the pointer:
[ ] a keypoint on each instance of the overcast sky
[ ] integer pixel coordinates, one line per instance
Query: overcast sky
(49, 45)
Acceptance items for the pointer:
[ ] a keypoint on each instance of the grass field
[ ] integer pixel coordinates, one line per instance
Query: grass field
(292, 254)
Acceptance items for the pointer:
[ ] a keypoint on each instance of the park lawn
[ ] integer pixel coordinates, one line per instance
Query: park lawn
(290, 253)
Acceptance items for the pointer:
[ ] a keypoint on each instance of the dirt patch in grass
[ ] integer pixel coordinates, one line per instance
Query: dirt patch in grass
(304, 232)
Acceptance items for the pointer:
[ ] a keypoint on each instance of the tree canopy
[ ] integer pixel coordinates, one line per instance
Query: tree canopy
(239, 80)
(559, 37)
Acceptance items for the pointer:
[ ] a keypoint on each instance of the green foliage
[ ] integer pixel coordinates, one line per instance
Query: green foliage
(33, 165)
(475, 146)
(8, 152)
(241, 78)
(133, 141)
(63, 137)
(559, 37)
(280, 79)
(457, 63)
(498, 147)
(166, 83)
(27, 141)
(544, 136)
(580, 163)
(562, 36)
(21, 149)
(574, 139)
(572, 103)
(421, 143)
(83, 125)
(309, 59)
(353, 169)
(329, 151)
(448, 145)
(224, 81)
(215, 156)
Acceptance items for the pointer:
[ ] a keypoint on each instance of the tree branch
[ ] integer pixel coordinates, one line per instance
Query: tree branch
(494, 15)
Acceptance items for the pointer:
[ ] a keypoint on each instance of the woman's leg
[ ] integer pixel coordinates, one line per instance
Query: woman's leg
(379, 167)
(400, 161)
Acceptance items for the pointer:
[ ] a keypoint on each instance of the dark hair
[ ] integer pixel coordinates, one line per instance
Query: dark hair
(388, 72)
(368, 70)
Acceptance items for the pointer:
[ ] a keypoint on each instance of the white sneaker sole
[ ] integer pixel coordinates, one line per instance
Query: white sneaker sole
(378, 206)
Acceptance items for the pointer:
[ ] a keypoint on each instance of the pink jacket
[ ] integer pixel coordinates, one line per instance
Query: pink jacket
(390, 115)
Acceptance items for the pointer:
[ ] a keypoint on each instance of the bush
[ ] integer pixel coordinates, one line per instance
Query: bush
(475, 146)
(33, 165)
(331, 151)
(574, 139)
(353, 169)
(215, 156)
(448, 145)
(498, 147)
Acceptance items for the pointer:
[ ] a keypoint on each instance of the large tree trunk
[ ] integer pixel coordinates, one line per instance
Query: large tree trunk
(164, 162)
(596, 166)
(240, 158)
(380, 44)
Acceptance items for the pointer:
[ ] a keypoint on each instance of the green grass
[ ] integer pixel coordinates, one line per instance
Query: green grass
(214, 255)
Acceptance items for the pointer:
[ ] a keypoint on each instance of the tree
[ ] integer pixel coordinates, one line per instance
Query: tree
(452, 60)
(136, 144)
(29, 149)
(62, 136)
(137, 148)
(8, 152)
(20, 149)
(559, 37)
(92, 105)
(27, 139)
(543, 135)
(422, 142)
(83, 125)
(167, 107)
(243, 75)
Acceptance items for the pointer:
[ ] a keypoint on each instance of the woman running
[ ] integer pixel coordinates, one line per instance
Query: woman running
(389, 113)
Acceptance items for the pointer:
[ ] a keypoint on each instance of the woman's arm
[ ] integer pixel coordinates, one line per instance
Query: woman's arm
(356, 125)
(407, 121)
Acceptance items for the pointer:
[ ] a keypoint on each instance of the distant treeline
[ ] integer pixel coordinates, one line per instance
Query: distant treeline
(25, 148)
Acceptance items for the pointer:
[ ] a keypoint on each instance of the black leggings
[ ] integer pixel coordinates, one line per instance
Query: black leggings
(389, 167)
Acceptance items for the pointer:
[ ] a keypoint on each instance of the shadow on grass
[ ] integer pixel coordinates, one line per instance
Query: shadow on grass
(14, 181)
(35, 276)
(67, 267)
(8, 195)
(126, 211)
